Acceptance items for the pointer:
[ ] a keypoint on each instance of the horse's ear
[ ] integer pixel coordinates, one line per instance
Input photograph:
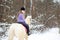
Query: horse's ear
(28, 20)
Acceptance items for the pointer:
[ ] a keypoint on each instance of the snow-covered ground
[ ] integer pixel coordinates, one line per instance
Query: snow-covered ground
(51, 34)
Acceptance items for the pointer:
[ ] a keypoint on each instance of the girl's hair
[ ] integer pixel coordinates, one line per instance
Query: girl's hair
(22, 8)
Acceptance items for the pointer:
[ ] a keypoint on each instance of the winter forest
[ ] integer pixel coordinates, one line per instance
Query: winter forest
(45, 16)
(43, 11)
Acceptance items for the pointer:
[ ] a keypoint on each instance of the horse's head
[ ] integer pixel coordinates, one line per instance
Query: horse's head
(28, 20)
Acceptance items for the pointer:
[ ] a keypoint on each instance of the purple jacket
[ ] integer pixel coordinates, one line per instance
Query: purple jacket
(20, 18)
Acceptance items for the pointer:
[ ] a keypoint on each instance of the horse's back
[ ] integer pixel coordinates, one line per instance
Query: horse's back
(17, 30)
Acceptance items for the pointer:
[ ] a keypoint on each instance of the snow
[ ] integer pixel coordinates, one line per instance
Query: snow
(1, 30)
(56, 1)
(51, 34)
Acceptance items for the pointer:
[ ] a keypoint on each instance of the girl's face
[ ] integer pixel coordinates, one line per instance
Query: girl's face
(23, 11)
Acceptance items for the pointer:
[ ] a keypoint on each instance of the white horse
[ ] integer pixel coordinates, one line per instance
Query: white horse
(18, 30)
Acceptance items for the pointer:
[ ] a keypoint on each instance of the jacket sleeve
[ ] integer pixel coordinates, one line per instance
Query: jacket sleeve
(21, 17)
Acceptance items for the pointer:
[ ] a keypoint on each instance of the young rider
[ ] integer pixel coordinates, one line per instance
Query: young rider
(21, 19)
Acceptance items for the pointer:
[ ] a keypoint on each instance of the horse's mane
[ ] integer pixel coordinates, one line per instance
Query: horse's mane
(28, 20)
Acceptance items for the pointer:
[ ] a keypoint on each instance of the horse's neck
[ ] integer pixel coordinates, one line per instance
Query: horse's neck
(28, 20)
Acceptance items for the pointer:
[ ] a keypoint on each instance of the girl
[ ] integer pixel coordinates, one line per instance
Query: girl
(21, 19)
